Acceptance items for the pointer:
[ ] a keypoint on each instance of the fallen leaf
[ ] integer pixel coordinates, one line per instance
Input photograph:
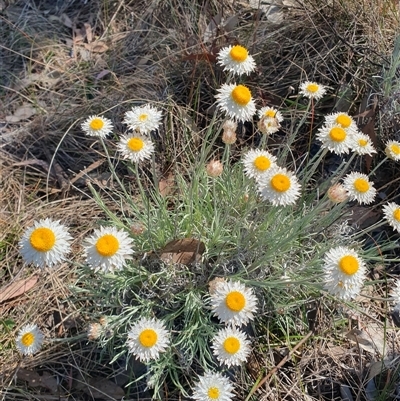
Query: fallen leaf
(231, 23)
(166, 185)
(363, 216)
(371, 339)
(212, 28)
(99, 387)
(22, 113)
(184, 251)
(96, 47)
(47, 380)
(66, 20)
(17, 288)
(102, 74)
(345, 392)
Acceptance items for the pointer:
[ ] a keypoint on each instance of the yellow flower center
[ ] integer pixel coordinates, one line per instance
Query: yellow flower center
(395, 149)
(312, 88)
(396, 214)
(148, 338)
(241, 95)
(231, 345)
(27, 339)
(344, 120)
(135, 144)
(361, 185)
(337, 134)
(238, 53)
(348, 265)
(96, 124)
(235, 301)
(280, 182)
(143, 117)
(42, 239)
(107, 245)
(270, 113)
(362, 142)
(213, 393)
(262, 163)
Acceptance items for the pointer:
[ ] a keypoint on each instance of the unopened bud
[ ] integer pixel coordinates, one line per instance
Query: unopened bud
(337, 193)
(214, 168)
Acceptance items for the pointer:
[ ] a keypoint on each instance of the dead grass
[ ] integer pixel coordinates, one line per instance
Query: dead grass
(128, 52)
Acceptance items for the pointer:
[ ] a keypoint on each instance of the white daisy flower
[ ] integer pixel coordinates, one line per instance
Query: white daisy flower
(97, 126)
(334, 138)
(344, 272)
(391, 212)
(392, 150)
(147, 339)
(359, 188)
(143, 119)
(270, 112)
(395, 294)
(213, 387)
(108, 249)
(258, 162)
(361, 144)
(231, 346)
(135, 147)
(279, 186)
(236, 101)
(233, 303)
(29, 339)
(45, 244)
(343, 120)
(312, 90)
(236, 59)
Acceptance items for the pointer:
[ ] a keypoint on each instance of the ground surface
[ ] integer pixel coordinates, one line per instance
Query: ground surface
(64, 60)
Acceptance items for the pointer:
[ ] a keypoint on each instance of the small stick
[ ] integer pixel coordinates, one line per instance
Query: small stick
(280, 364)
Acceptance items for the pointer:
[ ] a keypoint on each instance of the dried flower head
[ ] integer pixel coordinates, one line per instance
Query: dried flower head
(94, 331)
(268, 125)
(214, 168)
(337, 193)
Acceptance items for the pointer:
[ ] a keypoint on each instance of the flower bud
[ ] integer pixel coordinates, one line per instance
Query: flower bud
(337, 193)
(214, 168)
